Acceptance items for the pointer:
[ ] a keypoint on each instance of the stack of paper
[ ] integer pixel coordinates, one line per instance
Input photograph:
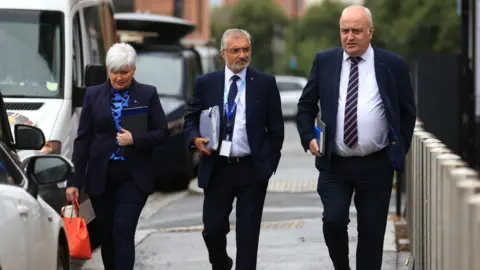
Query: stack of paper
(210, 126)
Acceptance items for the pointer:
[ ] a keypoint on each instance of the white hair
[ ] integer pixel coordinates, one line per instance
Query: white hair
(233, 32)
(121, 56)
(367, 11)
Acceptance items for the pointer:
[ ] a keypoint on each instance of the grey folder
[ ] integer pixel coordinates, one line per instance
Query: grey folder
(210, 126)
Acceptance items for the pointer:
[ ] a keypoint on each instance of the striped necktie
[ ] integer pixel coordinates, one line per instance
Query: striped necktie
(350, 132)
(232, 94)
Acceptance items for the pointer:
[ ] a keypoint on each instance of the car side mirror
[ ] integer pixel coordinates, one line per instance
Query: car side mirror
(28, 137)
(49, 169)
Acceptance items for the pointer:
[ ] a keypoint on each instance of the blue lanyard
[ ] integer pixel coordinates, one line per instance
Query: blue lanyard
(228, 112)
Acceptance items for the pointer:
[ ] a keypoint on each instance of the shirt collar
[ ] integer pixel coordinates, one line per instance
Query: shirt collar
(228, 74)
(367, 56)
(122, 93)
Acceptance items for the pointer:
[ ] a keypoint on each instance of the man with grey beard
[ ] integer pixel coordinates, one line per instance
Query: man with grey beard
(251, 138)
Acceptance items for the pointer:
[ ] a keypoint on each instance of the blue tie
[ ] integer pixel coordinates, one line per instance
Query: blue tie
(232, 94)
(350, 132)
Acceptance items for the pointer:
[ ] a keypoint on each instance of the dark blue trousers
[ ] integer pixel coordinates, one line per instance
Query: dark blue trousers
(369, 180)
(229, 181)
(117, 212)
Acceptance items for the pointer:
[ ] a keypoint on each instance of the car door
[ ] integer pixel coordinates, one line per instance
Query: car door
(30, 213)
(35, 221)
(14, 229)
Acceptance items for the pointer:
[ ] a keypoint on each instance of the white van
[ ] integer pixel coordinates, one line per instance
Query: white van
(45, 47)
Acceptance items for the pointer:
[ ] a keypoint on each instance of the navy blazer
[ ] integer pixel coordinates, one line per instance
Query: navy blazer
(96, 138)
(395, 88)
(264, 120)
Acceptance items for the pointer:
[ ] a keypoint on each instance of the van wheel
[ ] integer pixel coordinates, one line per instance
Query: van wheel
(63, 262)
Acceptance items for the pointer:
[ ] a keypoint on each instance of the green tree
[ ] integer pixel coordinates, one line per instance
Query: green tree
(410, 27)
(220, 18)
(259, 18)
(317, 30)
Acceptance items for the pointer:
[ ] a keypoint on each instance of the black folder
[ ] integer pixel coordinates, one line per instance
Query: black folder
(135, 119)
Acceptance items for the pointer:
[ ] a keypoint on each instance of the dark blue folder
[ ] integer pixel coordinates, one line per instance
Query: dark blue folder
(135, 119)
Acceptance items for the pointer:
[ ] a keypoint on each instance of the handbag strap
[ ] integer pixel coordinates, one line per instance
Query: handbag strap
(76, 208)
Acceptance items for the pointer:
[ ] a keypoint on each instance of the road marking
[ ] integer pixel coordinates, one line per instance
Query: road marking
(271, 225)
(159, 200)
(266, 210)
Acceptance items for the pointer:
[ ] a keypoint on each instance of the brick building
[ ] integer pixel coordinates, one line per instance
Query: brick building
(345, 2)
(196, 11)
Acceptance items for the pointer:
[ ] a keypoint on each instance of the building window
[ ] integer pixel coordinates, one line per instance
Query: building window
(199, 15)
(178, 8)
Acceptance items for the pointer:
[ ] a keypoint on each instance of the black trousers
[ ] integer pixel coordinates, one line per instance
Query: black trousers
(117, 212)
(229, 181)
(369, 179)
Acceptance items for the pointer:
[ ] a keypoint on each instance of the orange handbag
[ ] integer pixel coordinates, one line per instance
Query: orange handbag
(77, 234)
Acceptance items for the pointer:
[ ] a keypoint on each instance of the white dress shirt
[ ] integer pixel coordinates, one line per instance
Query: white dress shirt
(240, 146)
(372, 125)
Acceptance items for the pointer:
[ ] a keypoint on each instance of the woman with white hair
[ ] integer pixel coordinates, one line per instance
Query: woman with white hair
(113, 164)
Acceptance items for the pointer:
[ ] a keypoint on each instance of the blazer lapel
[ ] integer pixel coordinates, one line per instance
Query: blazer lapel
(105, 102)
(218, 93)
(381, 74)
(250, 85)
(133, 100)
(337, 70)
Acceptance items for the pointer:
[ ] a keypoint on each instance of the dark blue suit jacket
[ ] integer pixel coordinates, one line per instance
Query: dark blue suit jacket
(395, 89)
(265, 127)
(96, 138)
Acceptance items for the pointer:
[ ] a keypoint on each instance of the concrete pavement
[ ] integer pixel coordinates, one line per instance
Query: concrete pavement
(287, 245)
(169, 232)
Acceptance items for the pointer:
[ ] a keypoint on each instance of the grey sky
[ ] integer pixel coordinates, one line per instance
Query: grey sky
(214, 3)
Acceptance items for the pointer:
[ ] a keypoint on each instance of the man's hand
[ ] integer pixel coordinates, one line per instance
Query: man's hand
(124, 138)
(72, 194)
(200, 145)
(314, 148)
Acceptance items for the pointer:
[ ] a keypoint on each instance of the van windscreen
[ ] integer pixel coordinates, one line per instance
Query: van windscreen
(31, 51)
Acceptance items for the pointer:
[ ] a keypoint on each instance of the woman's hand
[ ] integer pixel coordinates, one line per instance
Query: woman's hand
(124, 138)
(72, 194)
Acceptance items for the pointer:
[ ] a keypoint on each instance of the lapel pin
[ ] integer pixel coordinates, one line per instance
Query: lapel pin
(134, 101)
(251, 78)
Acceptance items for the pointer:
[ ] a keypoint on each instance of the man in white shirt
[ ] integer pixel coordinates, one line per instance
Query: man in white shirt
(367, 105)
(251, 138)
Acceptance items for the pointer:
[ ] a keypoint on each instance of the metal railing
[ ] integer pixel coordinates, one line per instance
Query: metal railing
(443, 207)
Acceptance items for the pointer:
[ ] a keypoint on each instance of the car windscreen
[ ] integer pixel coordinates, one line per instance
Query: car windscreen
(31, 62)
(164, 70)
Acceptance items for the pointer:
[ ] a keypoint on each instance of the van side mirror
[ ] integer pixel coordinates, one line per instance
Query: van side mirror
(48, 169)
(28, 137)
(94, 75)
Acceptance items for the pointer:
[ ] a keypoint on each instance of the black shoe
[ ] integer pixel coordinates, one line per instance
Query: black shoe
(230, 263)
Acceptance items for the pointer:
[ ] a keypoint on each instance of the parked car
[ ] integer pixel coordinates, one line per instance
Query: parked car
(290, 88)
(32, 233)
(162, 61)
(45, 49)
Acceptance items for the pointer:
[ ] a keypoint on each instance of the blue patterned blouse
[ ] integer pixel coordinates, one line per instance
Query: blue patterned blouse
(119, 100)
